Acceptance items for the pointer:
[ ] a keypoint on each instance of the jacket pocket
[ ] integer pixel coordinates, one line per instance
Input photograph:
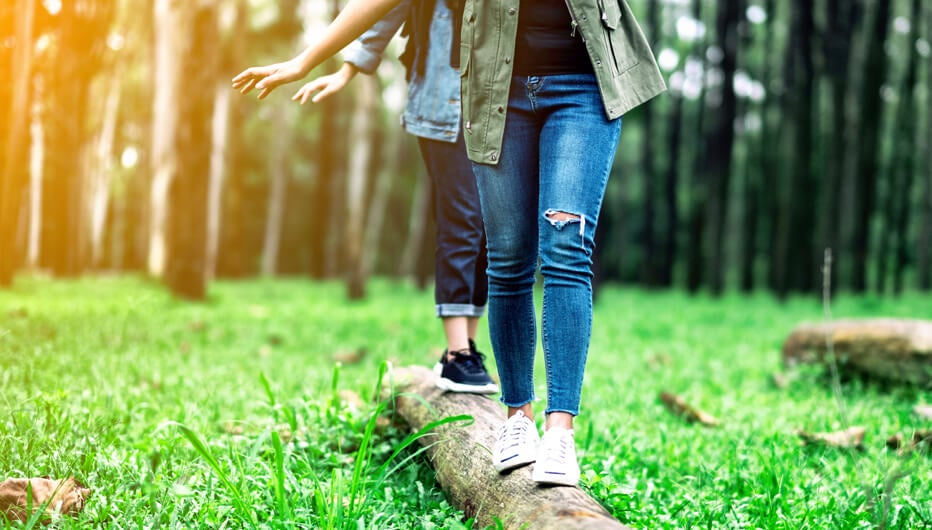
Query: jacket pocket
(616, 38)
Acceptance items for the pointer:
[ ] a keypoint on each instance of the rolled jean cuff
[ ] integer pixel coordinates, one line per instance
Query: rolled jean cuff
(574, 413)
(460, 310)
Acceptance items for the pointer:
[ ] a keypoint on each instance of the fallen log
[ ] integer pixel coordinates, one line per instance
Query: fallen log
(892, 349)
(461, 457)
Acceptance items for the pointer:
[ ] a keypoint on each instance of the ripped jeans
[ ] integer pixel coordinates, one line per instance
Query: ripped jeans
(556, 157)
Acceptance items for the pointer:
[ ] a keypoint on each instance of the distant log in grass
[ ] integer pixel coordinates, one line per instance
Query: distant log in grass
(461, 456)
(891, 349)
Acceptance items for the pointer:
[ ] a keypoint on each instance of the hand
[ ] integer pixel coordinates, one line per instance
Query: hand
(267, 78)
(327, 85)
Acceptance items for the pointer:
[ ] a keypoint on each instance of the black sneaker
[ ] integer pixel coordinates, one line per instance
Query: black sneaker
(465, 373)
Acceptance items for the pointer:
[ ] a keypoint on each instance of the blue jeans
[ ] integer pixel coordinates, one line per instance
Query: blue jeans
(556, 157)
(460, 284)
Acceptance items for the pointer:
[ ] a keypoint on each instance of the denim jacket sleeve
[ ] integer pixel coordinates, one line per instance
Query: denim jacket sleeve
(365, 53)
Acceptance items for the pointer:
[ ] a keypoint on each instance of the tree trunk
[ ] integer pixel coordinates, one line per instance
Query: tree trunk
(801, 244)
(871, 112)
(36, 162)
(218, 153)
(719, 143)
(457, 451)
(168, 56)
(698, 185)
(897, 350)
(924, 259)
(357, 177)
(841, 18)
(417, 226)
(13, 177)
(649, 258)
(329, 181)
(375, 225)
(905, 152)
(671, 193)
(192, 140)
(103, 169)
(278, 185)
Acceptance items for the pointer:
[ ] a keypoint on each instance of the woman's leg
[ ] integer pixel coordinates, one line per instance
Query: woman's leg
(460, 290)
(508, 192)
(577, 147)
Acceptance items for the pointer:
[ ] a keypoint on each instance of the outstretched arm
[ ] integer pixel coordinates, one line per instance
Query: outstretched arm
(353, 20)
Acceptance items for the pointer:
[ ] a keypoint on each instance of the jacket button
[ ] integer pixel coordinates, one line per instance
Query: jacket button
(468, 126)
(494, 157)
(507, 60)
(512, 11)
(501, 109)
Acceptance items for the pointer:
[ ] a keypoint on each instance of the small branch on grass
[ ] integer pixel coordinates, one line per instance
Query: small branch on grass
(850, 438)
(678, 406)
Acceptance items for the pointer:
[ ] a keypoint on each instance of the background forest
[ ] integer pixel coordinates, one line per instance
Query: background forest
(789, 127)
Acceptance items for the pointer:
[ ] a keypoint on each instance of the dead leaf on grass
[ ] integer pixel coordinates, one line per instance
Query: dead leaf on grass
(678, 406)
(274, 339)
(57, 496)
(351, 356)
(656, 360)
(924, 411)
(922, 439)
(197, 326)
(850, 438)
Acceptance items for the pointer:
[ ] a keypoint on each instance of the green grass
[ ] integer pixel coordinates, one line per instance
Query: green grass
(232, 413)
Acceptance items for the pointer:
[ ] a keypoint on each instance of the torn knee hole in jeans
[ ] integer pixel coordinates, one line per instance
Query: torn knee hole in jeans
(559, 219)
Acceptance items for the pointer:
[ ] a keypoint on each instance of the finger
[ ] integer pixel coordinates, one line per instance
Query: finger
(324, 94)
(243, 76)
(250, 84)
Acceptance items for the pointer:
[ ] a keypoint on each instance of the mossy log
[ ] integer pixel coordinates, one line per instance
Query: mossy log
(897, 350)
(460, 453)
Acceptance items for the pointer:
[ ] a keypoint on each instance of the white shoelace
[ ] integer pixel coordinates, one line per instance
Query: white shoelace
(555, 451)
(513, 433)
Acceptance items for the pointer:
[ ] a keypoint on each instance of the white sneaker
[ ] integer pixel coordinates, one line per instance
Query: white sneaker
(556, 459)
(516, 444)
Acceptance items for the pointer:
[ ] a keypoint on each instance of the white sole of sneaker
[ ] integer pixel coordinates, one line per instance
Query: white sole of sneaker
(452, 386)
(553, 479)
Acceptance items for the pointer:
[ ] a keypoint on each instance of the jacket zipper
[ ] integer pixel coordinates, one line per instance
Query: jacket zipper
(573, 23)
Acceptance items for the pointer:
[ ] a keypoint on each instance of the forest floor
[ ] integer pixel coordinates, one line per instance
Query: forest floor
(253, 409)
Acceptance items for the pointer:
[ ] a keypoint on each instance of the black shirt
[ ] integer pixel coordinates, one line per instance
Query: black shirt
(546, 44)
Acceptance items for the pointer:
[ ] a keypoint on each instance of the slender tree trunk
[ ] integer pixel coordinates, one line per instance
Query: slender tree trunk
(720, 142)
(361, 135)
(698, 186)
(375, 224)
(168, 25)
(871, 110)
(36, 161)
(13, 177)
(769, 161)
(842, 17)
(649, 264)
(103, 168)
(905, 152)
(670, 197)
(192, 140)
(328, 181)
(218, 153)
(417, 226)
(275, 211)
(804, 264)
(924, 258)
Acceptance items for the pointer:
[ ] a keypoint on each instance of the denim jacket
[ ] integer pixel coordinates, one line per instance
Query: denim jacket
(624, 65)
(432, 110)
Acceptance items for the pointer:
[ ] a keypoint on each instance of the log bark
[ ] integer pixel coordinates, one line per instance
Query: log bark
(460, 455)
(897, 350)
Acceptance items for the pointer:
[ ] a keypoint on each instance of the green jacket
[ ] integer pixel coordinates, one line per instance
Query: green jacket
(621, 57)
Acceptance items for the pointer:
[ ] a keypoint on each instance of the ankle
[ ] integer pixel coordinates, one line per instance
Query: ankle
(559, 420)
